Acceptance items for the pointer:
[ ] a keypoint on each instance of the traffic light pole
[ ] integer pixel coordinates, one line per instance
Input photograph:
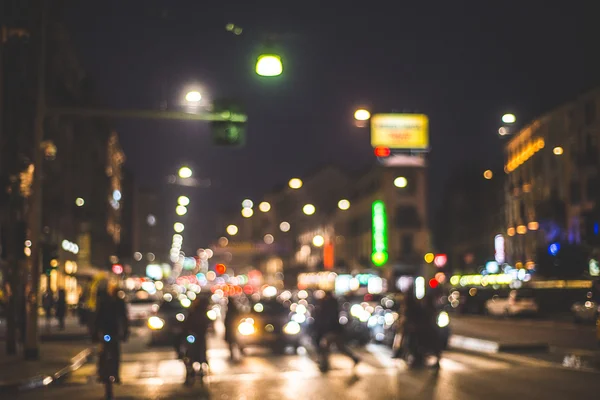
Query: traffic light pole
(144, 114)
(31, 349)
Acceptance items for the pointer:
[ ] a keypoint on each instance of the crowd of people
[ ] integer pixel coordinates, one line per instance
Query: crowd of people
(417, 327)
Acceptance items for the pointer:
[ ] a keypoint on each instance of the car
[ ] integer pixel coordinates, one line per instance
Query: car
(515, 302)
(268, 324)
(166, 324)
(139, 310)
(586, 311)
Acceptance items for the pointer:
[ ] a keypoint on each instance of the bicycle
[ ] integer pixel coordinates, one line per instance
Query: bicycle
(194, 358)
(108, 364)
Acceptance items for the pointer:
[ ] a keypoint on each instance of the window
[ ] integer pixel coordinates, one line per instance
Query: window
(575, 193)
(590, 112)
(407, 244)
(407, 217)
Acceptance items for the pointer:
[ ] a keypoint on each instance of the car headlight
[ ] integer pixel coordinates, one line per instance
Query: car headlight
(246, 327)
(443, 319)
(291, 328)
(155, 323)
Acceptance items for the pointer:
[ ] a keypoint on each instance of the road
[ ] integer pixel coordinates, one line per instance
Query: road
(154, 373)
(556, 333)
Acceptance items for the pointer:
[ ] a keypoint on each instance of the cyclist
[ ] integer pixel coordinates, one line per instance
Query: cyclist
(111, 326)
(195, 332)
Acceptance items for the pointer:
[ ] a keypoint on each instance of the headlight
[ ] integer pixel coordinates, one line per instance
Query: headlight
(291, 328)
(443, 319)
(211, 314)
(246, 327)
(155, 323)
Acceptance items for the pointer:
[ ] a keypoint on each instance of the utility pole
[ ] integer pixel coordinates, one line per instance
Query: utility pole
(31, 348)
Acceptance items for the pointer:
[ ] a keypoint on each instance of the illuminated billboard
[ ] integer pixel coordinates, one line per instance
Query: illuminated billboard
(400, 131)
(379, 256)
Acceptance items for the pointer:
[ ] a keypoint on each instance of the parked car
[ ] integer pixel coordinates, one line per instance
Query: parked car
(586, 311)
(515, 302)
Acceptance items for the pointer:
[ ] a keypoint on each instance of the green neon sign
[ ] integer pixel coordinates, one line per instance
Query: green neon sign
(379, 256)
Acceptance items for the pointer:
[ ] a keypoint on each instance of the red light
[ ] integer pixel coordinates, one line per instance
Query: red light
(440, 260)
(248, 289)
(433, 283)
(381, 151)
(117, 269)
(220, 269)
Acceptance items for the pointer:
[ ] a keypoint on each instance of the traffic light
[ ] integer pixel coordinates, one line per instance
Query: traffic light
(49, 258)
(232, 131)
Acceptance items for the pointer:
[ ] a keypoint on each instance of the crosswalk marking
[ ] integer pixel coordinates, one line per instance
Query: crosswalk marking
(161, 368)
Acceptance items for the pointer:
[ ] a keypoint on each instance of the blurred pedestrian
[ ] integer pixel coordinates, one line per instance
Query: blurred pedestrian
(48, 305)
(328, 330)
(231, 319)
(111, 322)
(431, 336)
(61, 308)
(195, 331)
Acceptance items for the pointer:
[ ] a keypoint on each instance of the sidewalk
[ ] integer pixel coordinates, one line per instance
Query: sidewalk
(61, 352)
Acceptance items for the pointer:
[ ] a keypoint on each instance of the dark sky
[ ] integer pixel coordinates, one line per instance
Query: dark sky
(462, 63)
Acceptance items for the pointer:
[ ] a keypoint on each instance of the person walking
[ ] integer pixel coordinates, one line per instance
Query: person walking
(231, 319)
(60, 310)
(328, 330)
(48, 305)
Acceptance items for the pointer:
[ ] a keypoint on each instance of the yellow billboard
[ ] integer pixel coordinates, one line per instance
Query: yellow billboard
(400, 131)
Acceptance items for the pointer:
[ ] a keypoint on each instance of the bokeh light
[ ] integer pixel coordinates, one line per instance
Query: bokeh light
(232, 230)
(308, 209)
(284, 226)
(295, 183)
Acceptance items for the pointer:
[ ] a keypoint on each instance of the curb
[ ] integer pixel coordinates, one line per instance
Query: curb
(488, 346)
(40, 381)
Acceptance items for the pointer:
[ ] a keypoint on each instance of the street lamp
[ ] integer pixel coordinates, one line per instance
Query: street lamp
(79, 202)
(232, 230)
(509, 118)
(185, 172)
(178, 227)
(362, 115)
(181, 210)
(247, 212)
(308, 209)
(295, 183)
(488, 174)
(193, 96)
(269, 65)
(284, 226)
(344, 204)
(264, 206)
(183, 201)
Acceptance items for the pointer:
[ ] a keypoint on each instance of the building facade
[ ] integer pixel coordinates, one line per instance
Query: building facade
(553, 185)
(327, 224)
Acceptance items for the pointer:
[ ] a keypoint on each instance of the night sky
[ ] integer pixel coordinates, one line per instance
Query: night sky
(462, 65)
